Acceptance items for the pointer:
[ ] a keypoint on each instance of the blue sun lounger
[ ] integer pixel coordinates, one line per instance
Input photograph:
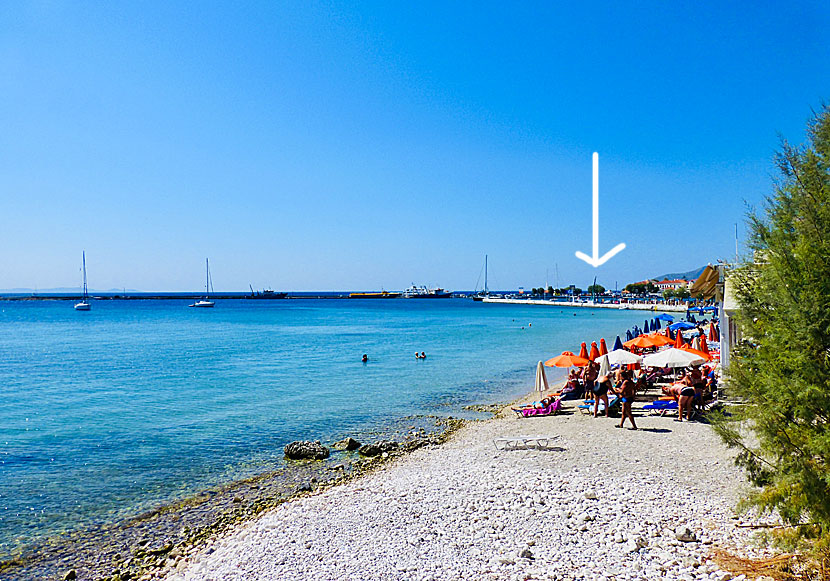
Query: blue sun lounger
(588, 405)
(661, 406)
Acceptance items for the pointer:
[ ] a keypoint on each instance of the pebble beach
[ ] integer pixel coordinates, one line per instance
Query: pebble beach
(597, 502)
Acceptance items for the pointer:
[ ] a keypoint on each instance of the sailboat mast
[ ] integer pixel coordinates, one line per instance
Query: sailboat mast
(83, 259)
(486, 292)
(207, 278)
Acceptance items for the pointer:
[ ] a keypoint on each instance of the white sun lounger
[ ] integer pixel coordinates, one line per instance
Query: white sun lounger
(524, 442)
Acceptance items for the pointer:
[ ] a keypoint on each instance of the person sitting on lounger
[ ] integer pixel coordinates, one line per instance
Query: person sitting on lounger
(573, 389)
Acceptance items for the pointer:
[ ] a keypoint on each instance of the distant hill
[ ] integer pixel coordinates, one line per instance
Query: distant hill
(62, 290)
(690, 275)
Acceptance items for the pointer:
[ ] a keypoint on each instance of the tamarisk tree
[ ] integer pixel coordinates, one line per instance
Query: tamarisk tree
(781, 368)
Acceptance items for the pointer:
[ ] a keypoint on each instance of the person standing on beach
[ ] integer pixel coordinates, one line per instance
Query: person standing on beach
(626, 392)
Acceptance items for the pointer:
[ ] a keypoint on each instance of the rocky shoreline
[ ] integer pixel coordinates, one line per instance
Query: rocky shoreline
(595, 502)
(143, 546)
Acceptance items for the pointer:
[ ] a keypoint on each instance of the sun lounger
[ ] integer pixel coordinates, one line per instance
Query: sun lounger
(661, 406)
(524, 442)
(613, 406)
(552, 408)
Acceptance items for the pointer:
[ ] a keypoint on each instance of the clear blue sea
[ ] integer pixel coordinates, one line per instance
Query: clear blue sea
(135, 404)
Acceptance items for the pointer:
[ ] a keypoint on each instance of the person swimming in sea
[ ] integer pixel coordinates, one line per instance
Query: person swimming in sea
(365, 358)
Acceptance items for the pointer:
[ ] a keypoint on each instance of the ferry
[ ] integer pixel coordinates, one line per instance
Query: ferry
(380, 295)
(422, 292)
(266, 294)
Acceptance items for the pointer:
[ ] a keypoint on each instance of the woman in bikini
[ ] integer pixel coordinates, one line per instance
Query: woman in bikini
(626, 392)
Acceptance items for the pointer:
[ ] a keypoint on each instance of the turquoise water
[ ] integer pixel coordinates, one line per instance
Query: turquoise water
(134, 404)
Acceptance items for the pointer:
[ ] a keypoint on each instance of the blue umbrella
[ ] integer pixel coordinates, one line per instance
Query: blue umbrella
(665, 317)
(682, 325)
(617, 344)
(628, 335)
(692, 319)
(657, 325)
(645, 327)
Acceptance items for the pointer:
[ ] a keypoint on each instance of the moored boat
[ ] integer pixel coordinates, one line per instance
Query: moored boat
(205, 302)
(422, 292)
(84, 304)
(380, 295)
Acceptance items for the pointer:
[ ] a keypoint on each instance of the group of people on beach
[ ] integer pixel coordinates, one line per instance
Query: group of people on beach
(691, 390)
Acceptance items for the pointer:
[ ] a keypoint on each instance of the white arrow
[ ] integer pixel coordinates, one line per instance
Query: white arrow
(595, 260)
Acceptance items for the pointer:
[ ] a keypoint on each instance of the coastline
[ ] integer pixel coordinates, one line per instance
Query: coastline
(140, 545)
(597, 501)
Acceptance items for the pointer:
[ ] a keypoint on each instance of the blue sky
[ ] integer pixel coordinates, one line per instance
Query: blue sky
(367, 145)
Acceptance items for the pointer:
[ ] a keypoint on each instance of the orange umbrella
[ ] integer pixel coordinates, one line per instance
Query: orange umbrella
(668, 332)
(713, 332)
(641, 342)
(594, 351)
(567, 359)
(697, 352)
(603, 348)
(660, 339)
(679, 342)
(583, 351)
(703, 345)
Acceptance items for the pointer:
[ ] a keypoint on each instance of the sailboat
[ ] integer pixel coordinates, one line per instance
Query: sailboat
(486, 293)
(84, 304)
(205, 302)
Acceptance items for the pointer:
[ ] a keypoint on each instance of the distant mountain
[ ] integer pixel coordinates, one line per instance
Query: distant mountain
(690, 275)
(61, 290)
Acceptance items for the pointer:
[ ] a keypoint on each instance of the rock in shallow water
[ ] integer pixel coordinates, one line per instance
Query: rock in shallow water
(303, 450)
(348, 444)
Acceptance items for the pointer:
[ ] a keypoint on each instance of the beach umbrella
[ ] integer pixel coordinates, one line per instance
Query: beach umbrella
(594, 353)
(682, 325)
(604, 365)
(704, 356)
(628, 335)
(646, 328)
(541, 378)
(661, 340)
(678, 340)
(656, 325)
(672, 358)
(583, 351)
(567, 359)
(623, 357)
(641, 342)
(665, 317)
(704, 346)
(618, 343)
(603, 348)
(713, 332)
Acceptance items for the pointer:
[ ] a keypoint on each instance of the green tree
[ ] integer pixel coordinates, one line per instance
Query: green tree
(641, 288)
(781, 368)
(596, 288)
(682, 293)
(668, 293)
